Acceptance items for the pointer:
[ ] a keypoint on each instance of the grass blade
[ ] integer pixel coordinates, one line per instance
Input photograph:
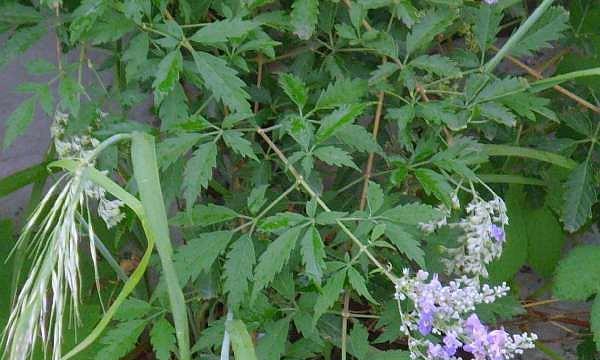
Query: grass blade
(518, 151)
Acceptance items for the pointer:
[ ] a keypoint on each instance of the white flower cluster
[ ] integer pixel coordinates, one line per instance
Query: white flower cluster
(441, 311)
(79, 147)
(483, 240)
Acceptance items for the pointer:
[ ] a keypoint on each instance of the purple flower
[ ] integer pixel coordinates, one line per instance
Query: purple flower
(497, 232)
(426, 323)
(435, 351)
(497, 340)
(451, 344)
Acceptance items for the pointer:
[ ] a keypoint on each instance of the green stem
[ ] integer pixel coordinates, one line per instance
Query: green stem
(517, 36)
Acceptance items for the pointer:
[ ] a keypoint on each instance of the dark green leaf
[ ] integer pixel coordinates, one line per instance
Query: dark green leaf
(436, 184)
(577, 276)
(313, 254)
(18, 122)
(330, 294)
(358, 283)
(236, 141)
(238, 270)
(294, 88)
(240, 340)
(223, 30)
(340, 117)
(162, 337)
(120, 340)
(580, 195)
(272, 345)
(198, 171)
(304, 17)
(203, 215)
(431, 24)
(342, 92)
(335, 156)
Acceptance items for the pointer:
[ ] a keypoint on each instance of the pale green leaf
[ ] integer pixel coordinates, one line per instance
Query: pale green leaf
(20, 41)
(358, 138)
(304, 17)
(236, 141)
(432, 23)
(498, 113)
(335, 156)
(413, 214)
(18, 122)
(203, 215)
(240, 340)
(547, 29)
(331, 123)
(199, 171)
(375, 197)
(579, 196)
(238, 270)
(171, 149)
(120, 340)
(280, 221)
(342, 92)
(436, 64)
(577, 276)
(486, 25)
(162, 338)
(167, 75)
(435, 184)
(223, 30)
(545, 240)
(294, 88)
(272, 345)
(132, 309)
(330, 294)
(358, 283)
(313, 254)
(406, 243)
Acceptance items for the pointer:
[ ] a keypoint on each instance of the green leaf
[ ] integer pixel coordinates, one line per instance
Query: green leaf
(330, 294)
(20, 41)
(595, 321)
(238, 270)
(486, 25)
(69, 91)
(519, 151)
(294, 88)
(120, 340)
(14, 13)
(577, 276)
(240, 340)
(359, 284)
(40, 67)
(272, 345)
(257, 198)
(431, 24)
(358, 138)
(222, 81)
(236, 141)
(173, 108)
(335, 156)
(514, 253)
(413, 214)
(21, 178)
(436, 64)
(135, 56)
(342, 92)
(162, 338)
(329, 217)
(199, 254)
(167, 75)
(498, 113)
(132, 309)
(436, 184)
(580, 194)
(171, 149)
(203, 215)
(223, 30)
(274, 258)
(331, 123)
(545, 239)
(406, 243)
(313, 254)
(199, 171)
(18, 122)
(546, 30)
(280, 221)
(304, 17)
(359, 341)
(375, 197)
(504, 308)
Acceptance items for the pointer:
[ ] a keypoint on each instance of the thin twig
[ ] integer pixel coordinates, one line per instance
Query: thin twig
(558, 88)
(369, 167)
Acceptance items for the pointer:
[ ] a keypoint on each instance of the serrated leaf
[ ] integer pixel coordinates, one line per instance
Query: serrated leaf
(120, 340)
(295, 89)
(236, 141)
(498, 113)
(359, 341)
(240, 340)
(547, 29)
(431, 24)
(486, 25)
(18, 122)
(342, 92)
(257, 198)
(313, 254)
(358, 138)
(375, 197)
(335, 156)
(577, 276)
(331, 123)
(413, 214)
(223, 30)
(20, 41)
(330, 294)
(171, 149)
(435, 184)
(162, 338)
(238, 270)
(301, 130)
(280, 221)
(173, 108)
(274, 258)
(132, 309)
(222, 81)
(436, 64)
(135, 56)
(329, 217)
(304, 17)
(358, 283)
(210, 336)
(199, 254)
(69, 91)
(40, 67)
(272, 345)
(579, 196)
(406, 243)
(504, 308)
(203, 215)
(199, 171)
(167, 75)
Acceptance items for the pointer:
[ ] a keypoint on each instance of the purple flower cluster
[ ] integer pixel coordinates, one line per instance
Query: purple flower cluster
(446, 311)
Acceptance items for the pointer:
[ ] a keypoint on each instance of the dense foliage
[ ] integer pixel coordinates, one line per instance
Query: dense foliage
(321, 179)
